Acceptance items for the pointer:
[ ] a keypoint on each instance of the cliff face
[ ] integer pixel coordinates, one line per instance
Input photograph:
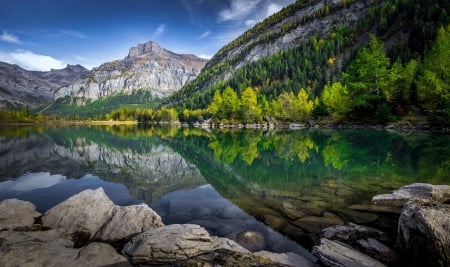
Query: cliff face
(147, 66)
(32, 88)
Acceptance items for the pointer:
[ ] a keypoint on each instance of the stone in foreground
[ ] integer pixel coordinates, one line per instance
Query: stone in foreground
(16, 213)
(289, 258)
(85, 212)
(127, 221)
(333, 253)
(173, 243)
(424, 232)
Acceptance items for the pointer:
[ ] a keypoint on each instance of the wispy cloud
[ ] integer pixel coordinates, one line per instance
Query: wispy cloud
(205, 56)
(160, 30)
(272, 9)
(238, 10)
(9, 38)
(73, 33)
(31, 61)
(204, 35)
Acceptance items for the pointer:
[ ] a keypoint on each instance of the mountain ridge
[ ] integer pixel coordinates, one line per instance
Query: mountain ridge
(147, 67)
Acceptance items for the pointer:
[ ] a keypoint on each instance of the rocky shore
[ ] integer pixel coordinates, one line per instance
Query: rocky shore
(88, 229)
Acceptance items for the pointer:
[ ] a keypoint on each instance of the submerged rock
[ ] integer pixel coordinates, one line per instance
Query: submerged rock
(424, 232)
(251, 240)
(16, 213)
(399, 197)
(334, 253)
(315, 223)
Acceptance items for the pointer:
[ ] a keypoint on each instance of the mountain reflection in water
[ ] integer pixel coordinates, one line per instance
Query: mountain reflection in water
(297, 182)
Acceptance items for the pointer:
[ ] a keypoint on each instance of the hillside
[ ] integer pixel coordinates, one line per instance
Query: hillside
(20, 87)
(310, 44)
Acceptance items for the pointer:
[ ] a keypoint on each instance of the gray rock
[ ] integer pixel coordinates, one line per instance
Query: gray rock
(289, 258)
(399, 197)
(424, 232)
(128, 221)
(378, 250)
(99, 254)
(334, 253)
(173, 243)
(16, 213)
(85, 213)
(349, 233)
(51, 248)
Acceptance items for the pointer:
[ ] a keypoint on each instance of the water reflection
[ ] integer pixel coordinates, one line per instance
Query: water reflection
(295, 181)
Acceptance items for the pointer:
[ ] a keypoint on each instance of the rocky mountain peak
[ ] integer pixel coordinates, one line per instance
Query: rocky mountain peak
(146, 48)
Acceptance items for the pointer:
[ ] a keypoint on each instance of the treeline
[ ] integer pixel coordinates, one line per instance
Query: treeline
(22, 116)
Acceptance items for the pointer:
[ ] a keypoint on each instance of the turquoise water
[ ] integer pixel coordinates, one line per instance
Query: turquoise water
(295, 182)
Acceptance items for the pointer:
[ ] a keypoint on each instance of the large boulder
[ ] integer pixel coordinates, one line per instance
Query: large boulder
(16, 213)
(128, 221)
(52, 248)
(84, 213)
(335, 253)
(174, 243)
(424, 232)
(92, 215)
(399, 197)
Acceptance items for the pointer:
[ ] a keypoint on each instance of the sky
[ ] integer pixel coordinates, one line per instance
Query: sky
(49, 34)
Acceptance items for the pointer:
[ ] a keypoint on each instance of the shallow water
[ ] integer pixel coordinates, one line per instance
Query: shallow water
(296, 182)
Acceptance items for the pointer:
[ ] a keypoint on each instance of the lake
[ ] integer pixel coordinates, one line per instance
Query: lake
(284, 184)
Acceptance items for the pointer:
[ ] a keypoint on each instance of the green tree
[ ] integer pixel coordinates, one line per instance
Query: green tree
(337, 100)
(368, 80)
(230, 104)
(215, 107)
(250, 110)
(433, 87)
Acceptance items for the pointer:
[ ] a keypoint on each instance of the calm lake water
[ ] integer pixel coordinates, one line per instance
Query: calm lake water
(283, 184)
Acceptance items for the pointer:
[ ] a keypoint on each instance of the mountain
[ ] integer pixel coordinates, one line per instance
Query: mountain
(310, 44)
(147, 67)
(19, 87)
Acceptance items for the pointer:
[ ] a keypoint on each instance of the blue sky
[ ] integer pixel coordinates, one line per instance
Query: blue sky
(45, 34)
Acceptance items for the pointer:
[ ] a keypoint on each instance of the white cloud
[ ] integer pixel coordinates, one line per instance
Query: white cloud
(238, 10)
(31, 61)
(273, 8)
(160, 30)
(72, 33)
(204, 35)
(9, 38)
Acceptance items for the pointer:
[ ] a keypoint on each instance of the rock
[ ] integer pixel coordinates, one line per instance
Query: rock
(128, 221)
(399, 197)
(251, 240)
(314, 223)
(334, 253)
(99, 254)
(349, 233)
(273, 221)
(173, 243)
(289, 258)
(357, 216)
(84, 213)
(51, 248)
(16, 213)
(378, 250)
(424, 232)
